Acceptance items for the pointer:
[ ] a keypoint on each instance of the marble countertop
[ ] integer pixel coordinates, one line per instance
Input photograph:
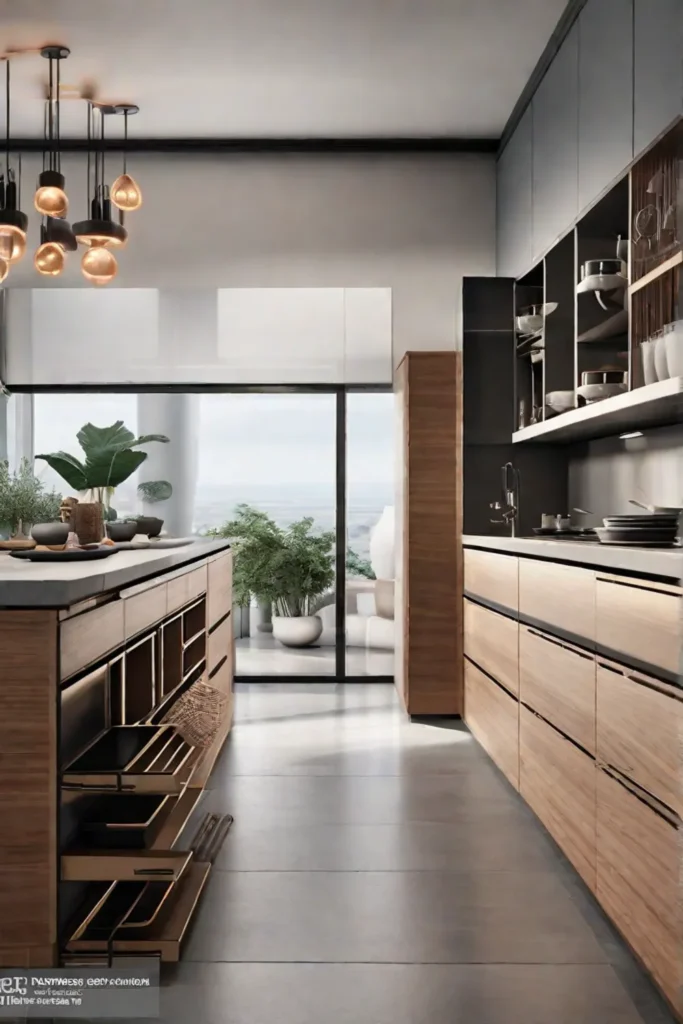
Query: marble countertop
(25, 584)
(664, 563)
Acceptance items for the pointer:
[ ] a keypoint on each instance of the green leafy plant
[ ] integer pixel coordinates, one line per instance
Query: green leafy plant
(154, 491)
(110, 458)
(24, 500)
(357, 566)
(288, 567)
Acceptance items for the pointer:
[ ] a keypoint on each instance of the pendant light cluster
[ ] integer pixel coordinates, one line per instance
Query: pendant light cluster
(99, 233)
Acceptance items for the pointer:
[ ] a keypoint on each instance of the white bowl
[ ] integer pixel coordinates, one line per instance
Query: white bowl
(560, 401)
(530, 323)
(601, 283)
(673, 344)
(597, 392)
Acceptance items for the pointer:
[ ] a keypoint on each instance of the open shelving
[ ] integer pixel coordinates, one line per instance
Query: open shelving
(638, 221)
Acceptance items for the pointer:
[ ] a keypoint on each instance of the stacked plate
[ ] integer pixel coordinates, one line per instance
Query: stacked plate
(658, 530)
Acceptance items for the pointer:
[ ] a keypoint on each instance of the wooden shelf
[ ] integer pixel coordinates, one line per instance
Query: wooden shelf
(663, 268)
(650, 406)
(613, 327)
(178, 817)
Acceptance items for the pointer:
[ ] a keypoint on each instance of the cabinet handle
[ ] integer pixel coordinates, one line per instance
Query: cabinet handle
(558, 643)
(143, 872)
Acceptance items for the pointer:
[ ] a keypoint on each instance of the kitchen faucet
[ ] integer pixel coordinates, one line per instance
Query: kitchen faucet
(510, 508)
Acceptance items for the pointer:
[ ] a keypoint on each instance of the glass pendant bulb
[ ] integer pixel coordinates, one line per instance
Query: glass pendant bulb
(49, 259)
(51, 201)
(4, 269)
(12, 243)
(99, 265)
(125, 193)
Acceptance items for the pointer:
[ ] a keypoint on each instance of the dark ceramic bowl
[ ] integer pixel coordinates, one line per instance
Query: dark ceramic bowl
(120, 531)
(50, 534)
(149, 525)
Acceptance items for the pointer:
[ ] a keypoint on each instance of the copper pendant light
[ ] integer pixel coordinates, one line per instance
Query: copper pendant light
(98, 230)
(125, 192)
(13, 223)
(50, 198)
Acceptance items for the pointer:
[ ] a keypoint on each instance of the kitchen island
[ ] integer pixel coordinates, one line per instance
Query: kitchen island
(573, 686)
(115, 702)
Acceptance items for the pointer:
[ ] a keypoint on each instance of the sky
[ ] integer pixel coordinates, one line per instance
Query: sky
(284, 441)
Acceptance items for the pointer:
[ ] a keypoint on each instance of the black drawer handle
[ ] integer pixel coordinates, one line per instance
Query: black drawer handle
(558, 643)
(144, 872)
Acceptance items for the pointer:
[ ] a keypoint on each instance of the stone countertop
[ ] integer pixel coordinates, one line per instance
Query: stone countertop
(25, 584)
(664, 563)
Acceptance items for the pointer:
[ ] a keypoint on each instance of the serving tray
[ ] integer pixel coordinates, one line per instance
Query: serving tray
(69, 555)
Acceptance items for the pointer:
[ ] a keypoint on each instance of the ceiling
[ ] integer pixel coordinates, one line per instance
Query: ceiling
(284, 68)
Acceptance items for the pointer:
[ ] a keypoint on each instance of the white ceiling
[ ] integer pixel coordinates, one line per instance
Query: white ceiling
(290, 68)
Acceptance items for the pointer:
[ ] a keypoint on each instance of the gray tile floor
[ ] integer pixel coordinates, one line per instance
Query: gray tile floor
(383, 872)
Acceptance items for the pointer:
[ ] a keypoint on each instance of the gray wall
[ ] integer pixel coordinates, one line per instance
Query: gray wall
(604, 474)
(415, 224)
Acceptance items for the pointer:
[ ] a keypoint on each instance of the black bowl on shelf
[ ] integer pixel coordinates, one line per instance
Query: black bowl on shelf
(149, 525)
(121, 530)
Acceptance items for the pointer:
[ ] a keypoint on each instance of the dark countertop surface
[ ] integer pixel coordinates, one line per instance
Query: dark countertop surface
(25, 584)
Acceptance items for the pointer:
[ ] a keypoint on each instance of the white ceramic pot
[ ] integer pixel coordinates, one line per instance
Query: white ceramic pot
(661, 364)
(382, 541)
(647, 354)
(297, 631)
(673, 341)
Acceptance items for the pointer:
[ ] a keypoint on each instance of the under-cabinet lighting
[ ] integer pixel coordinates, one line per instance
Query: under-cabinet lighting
(630, 434)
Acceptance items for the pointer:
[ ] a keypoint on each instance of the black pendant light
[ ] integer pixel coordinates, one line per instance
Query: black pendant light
(13, 223)
(98, 231)
(50, 198)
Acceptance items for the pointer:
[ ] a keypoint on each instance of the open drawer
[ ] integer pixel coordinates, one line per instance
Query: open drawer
(140, 918)
(124, 865)
(135, 759)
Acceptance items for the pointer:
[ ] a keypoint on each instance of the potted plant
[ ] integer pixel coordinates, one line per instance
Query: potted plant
(24, 502)
(110, 458)
(290, 568)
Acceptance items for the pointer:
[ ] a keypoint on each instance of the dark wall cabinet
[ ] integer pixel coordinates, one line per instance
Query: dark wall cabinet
(554, 146)
(658, 71)
(614, 86)
(605, 95)
(514, 209)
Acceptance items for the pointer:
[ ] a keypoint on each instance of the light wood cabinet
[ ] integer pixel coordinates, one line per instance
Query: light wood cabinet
(559, 596)
(185, 587)
(640, 723)
(87, 637)
(220, 642)
(557, 680)
(638, 866)
(640, 621)
(219, 588)
(557, 780)
(144, 609)
(492, 577)
(492, 715)
(492, 641)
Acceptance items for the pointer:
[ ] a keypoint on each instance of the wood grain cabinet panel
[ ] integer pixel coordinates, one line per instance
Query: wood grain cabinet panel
(219, 588)
(639, 731)
(492, 577)
(562, 596)
(638, 867)
(557, 680)
(492, 716)
(144, 610)
(492, 640)
(88, 637)
(640, 621)
(220, 643)
(557, 780)
(186, 587)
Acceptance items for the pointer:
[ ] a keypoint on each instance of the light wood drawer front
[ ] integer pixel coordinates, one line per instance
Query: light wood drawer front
(185, 588)
(492, 641)
(219, 587)
(492, 577)
(557, 780)
(492, 716)
(642, 624)
(638, 872)
(558, 595)
(86, 638)
(639, 731)
(223, 679)
(220, 643)
(558, 680)
(144, 609)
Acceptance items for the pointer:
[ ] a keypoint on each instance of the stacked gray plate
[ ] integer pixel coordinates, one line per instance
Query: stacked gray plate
(658, 530)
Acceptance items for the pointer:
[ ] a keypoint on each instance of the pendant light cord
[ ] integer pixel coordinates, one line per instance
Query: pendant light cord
(7, 114)
(125, 141)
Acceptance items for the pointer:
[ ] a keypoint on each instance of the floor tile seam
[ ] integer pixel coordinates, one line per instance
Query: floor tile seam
(416, 963)
(543, 872)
